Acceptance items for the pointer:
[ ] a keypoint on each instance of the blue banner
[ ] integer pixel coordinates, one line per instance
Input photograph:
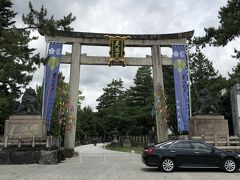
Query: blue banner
(50, 80)
(181, 86)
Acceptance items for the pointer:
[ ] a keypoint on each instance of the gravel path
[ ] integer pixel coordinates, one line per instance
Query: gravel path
(96, 163)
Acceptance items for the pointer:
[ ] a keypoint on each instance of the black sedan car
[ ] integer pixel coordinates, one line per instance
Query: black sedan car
(189, 154)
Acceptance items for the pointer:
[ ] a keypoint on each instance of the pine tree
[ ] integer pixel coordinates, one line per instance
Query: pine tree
(87, 124)
(228, 29)
(235, 75)
(46, 26)
(17, 59)
(110, 107)
(140, 103)
(203, 75)
(17, 62)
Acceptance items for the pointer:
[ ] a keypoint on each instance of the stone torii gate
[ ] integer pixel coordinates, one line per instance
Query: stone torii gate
(156, 60)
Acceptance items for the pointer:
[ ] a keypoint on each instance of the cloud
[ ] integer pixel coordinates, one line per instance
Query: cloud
(143, 17)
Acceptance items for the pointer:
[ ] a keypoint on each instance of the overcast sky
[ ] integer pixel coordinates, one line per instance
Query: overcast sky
(129, 16)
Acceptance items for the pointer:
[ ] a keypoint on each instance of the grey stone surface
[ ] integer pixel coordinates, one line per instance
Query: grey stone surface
(4, 157)
(101, 60)
(207, 117)
(161, 126)
(69, 139)
(61, 155)
(48, 157)
(118, 166)
(208, 125)
(235, 101)
(25, 117)
(25, 126)
(23, 157)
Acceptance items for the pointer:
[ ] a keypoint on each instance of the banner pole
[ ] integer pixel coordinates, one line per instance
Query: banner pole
(189, 85)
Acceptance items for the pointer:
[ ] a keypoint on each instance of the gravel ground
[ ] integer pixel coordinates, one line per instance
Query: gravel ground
(100, 164)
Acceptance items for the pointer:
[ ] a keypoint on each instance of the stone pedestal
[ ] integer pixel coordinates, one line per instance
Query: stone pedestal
(208, 125)
(25, 126)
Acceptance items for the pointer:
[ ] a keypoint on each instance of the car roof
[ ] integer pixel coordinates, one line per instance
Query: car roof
(181, 140)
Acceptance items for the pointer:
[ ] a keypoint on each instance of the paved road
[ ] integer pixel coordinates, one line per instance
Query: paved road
(93, 165)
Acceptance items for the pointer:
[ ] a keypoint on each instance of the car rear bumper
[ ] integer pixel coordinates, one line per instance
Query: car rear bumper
(152, 161)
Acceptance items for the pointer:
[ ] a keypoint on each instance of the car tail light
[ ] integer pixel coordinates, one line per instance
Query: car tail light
(149, 151)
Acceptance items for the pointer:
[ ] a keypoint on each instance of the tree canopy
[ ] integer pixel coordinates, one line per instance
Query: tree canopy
(228, 29)
(18, 61)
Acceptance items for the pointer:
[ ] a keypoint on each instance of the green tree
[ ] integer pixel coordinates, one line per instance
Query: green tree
(110, 107)
(39, 20)
(203, 75)
(87, 124)
(17, 62)
(228, 29)
(235, 75)
(225, 98)
(17, 59)
(140, 102)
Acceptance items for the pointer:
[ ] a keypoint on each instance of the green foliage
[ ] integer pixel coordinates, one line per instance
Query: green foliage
(129, 111)
(235, 75)
(17, 60)
(228, 29)
(140, 102)
(48, 26)
(203, 75)
(110, 108)
(14, 54)
(225, 98)
(6, 15)
(87, 124)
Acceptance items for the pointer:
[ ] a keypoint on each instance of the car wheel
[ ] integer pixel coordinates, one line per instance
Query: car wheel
(167, 165)
(229, 165)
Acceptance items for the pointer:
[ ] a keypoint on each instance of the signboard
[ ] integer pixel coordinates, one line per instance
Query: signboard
(117, 46)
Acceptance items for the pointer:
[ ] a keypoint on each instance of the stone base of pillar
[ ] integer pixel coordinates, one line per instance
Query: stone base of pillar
(25, 126)
(208, 125)
(69, 153)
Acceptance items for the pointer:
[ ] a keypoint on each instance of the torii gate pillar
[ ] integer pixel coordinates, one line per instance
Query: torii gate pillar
(162, 130)
(69, 139)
